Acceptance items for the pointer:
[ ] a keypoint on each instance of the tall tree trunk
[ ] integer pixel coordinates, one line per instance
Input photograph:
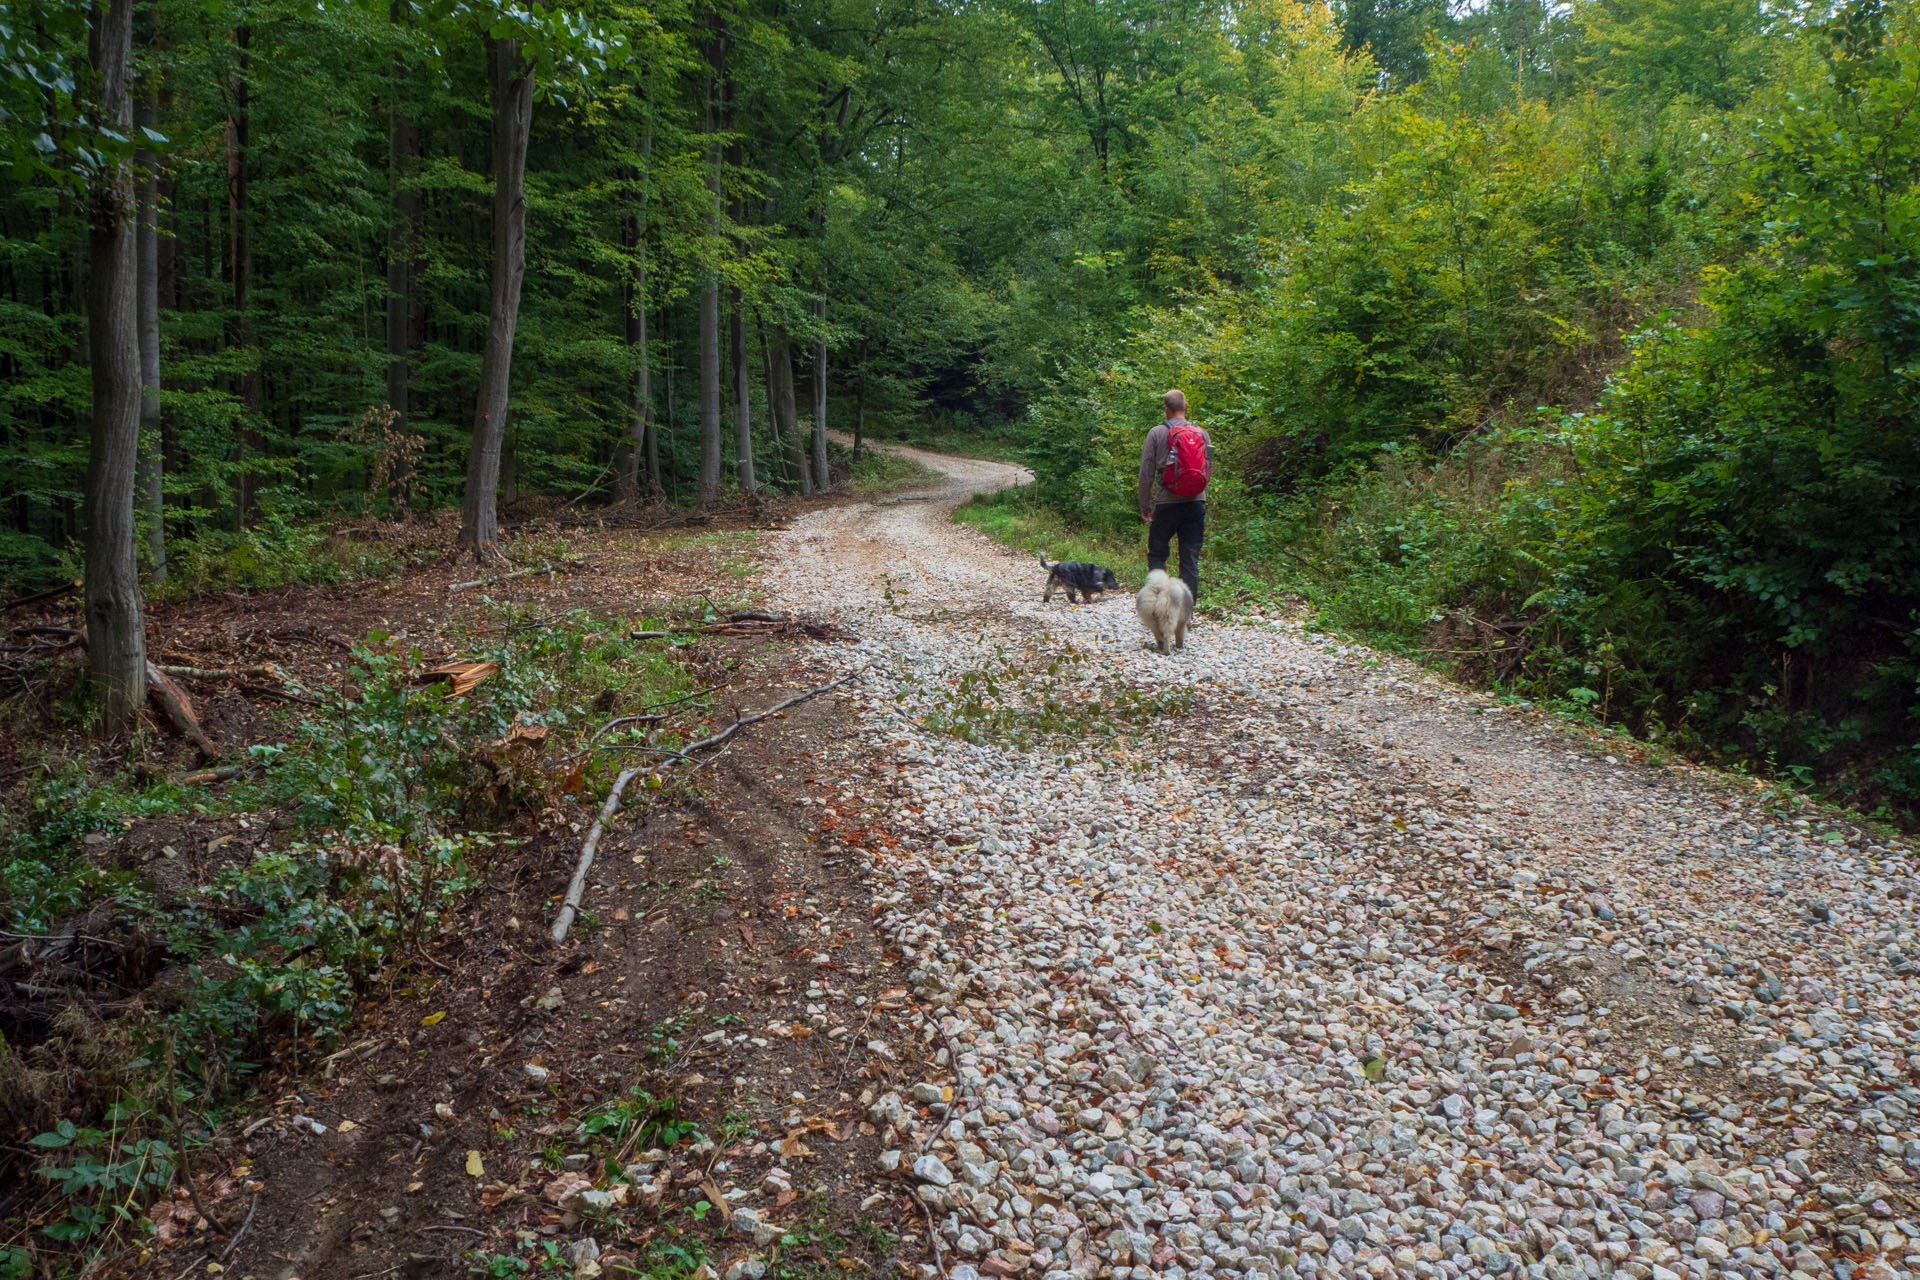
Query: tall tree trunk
(626, 480)
(789, 411)
(710, 393)
(151, 466)
(641, 444)
(240, 265)
(116, 633)
(773, 408)
(742, 399)
(647, 426)
(820, 395)
(655, 491)
(667, 358)
(512, 121)
(710, 297)
(860, 414)
(403, 235)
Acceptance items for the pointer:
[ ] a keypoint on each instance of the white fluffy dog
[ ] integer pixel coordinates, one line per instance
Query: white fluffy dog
(1165, 607)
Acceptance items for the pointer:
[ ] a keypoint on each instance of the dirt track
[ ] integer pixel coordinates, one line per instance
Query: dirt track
(1273, 958)
(1283, 956)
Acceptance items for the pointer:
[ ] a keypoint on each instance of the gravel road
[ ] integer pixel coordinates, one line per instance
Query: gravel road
(1281, 957)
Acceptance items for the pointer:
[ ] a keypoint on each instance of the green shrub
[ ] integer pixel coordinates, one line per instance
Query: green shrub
(400, 789)
(105, 1176)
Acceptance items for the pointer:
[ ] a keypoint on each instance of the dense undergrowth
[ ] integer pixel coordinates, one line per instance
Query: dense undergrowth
(1615, 407)
(380, 809)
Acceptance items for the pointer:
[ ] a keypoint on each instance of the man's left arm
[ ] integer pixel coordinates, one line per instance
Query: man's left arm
(1148, 459)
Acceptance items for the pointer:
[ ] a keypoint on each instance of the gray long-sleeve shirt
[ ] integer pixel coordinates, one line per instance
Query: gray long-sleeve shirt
(1154, 456)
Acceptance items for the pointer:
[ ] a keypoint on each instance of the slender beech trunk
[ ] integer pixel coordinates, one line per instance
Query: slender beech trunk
(240, 263)
(148, 480)
(860, 414)
(789, 411)
(168, 271)
(641, 443)
(116, 633)
(773, 408)
(710, 393)
(403, 237)
(655, 490)
(710, 297)
(820, 396)
(626, 457)
(512, 121)
(667, 358)
(648, 426)
(742, 399)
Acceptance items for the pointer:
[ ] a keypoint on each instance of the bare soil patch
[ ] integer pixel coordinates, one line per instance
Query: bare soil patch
(714, 925)
(716, 1000)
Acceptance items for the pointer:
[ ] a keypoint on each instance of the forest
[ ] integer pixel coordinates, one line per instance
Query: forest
(1571, 342)
(420, 385)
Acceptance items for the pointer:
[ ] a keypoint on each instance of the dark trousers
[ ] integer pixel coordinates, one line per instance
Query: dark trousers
(1188, 522)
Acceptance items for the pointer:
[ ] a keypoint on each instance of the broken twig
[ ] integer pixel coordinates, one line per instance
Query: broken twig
(235, 1242)
(200, 777)
(21, 601)
(267, 669)
(570, 905)
(562, 566)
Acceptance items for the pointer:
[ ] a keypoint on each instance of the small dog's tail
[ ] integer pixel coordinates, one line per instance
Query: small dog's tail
(1043, 561)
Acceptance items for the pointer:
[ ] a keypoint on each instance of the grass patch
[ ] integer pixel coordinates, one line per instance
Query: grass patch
(1016, 703)
(876, 470)
(1018, 519)
(734, 552)
(1003, 443)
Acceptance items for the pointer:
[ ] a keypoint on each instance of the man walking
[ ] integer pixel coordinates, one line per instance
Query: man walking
(1176, 461)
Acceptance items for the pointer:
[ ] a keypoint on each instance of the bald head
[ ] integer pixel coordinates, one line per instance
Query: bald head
(1176, 403)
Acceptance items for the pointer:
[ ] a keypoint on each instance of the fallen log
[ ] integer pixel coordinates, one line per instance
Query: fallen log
(179, 708)
(752, 627)
(288, 695)
(563, 566)
(19, 602)
(570, 905)
(201, 777)
(294, 691)
(216, 673)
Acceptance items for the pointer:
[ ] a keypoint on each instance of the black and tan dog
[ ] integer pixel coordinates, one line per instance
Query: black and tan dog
(1079, 578)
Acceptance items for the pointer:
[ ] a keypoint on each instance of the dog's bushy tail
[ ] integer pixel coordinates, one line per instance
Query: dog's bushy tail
(1044, 564)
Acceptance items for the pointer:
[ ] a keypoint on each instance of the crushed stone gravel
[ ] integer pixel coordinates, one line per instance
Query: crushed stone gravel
(1283, 958)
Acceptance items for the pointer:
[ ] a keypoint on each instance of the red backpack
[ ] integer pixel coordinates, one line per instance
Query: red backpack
(1187, 469)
